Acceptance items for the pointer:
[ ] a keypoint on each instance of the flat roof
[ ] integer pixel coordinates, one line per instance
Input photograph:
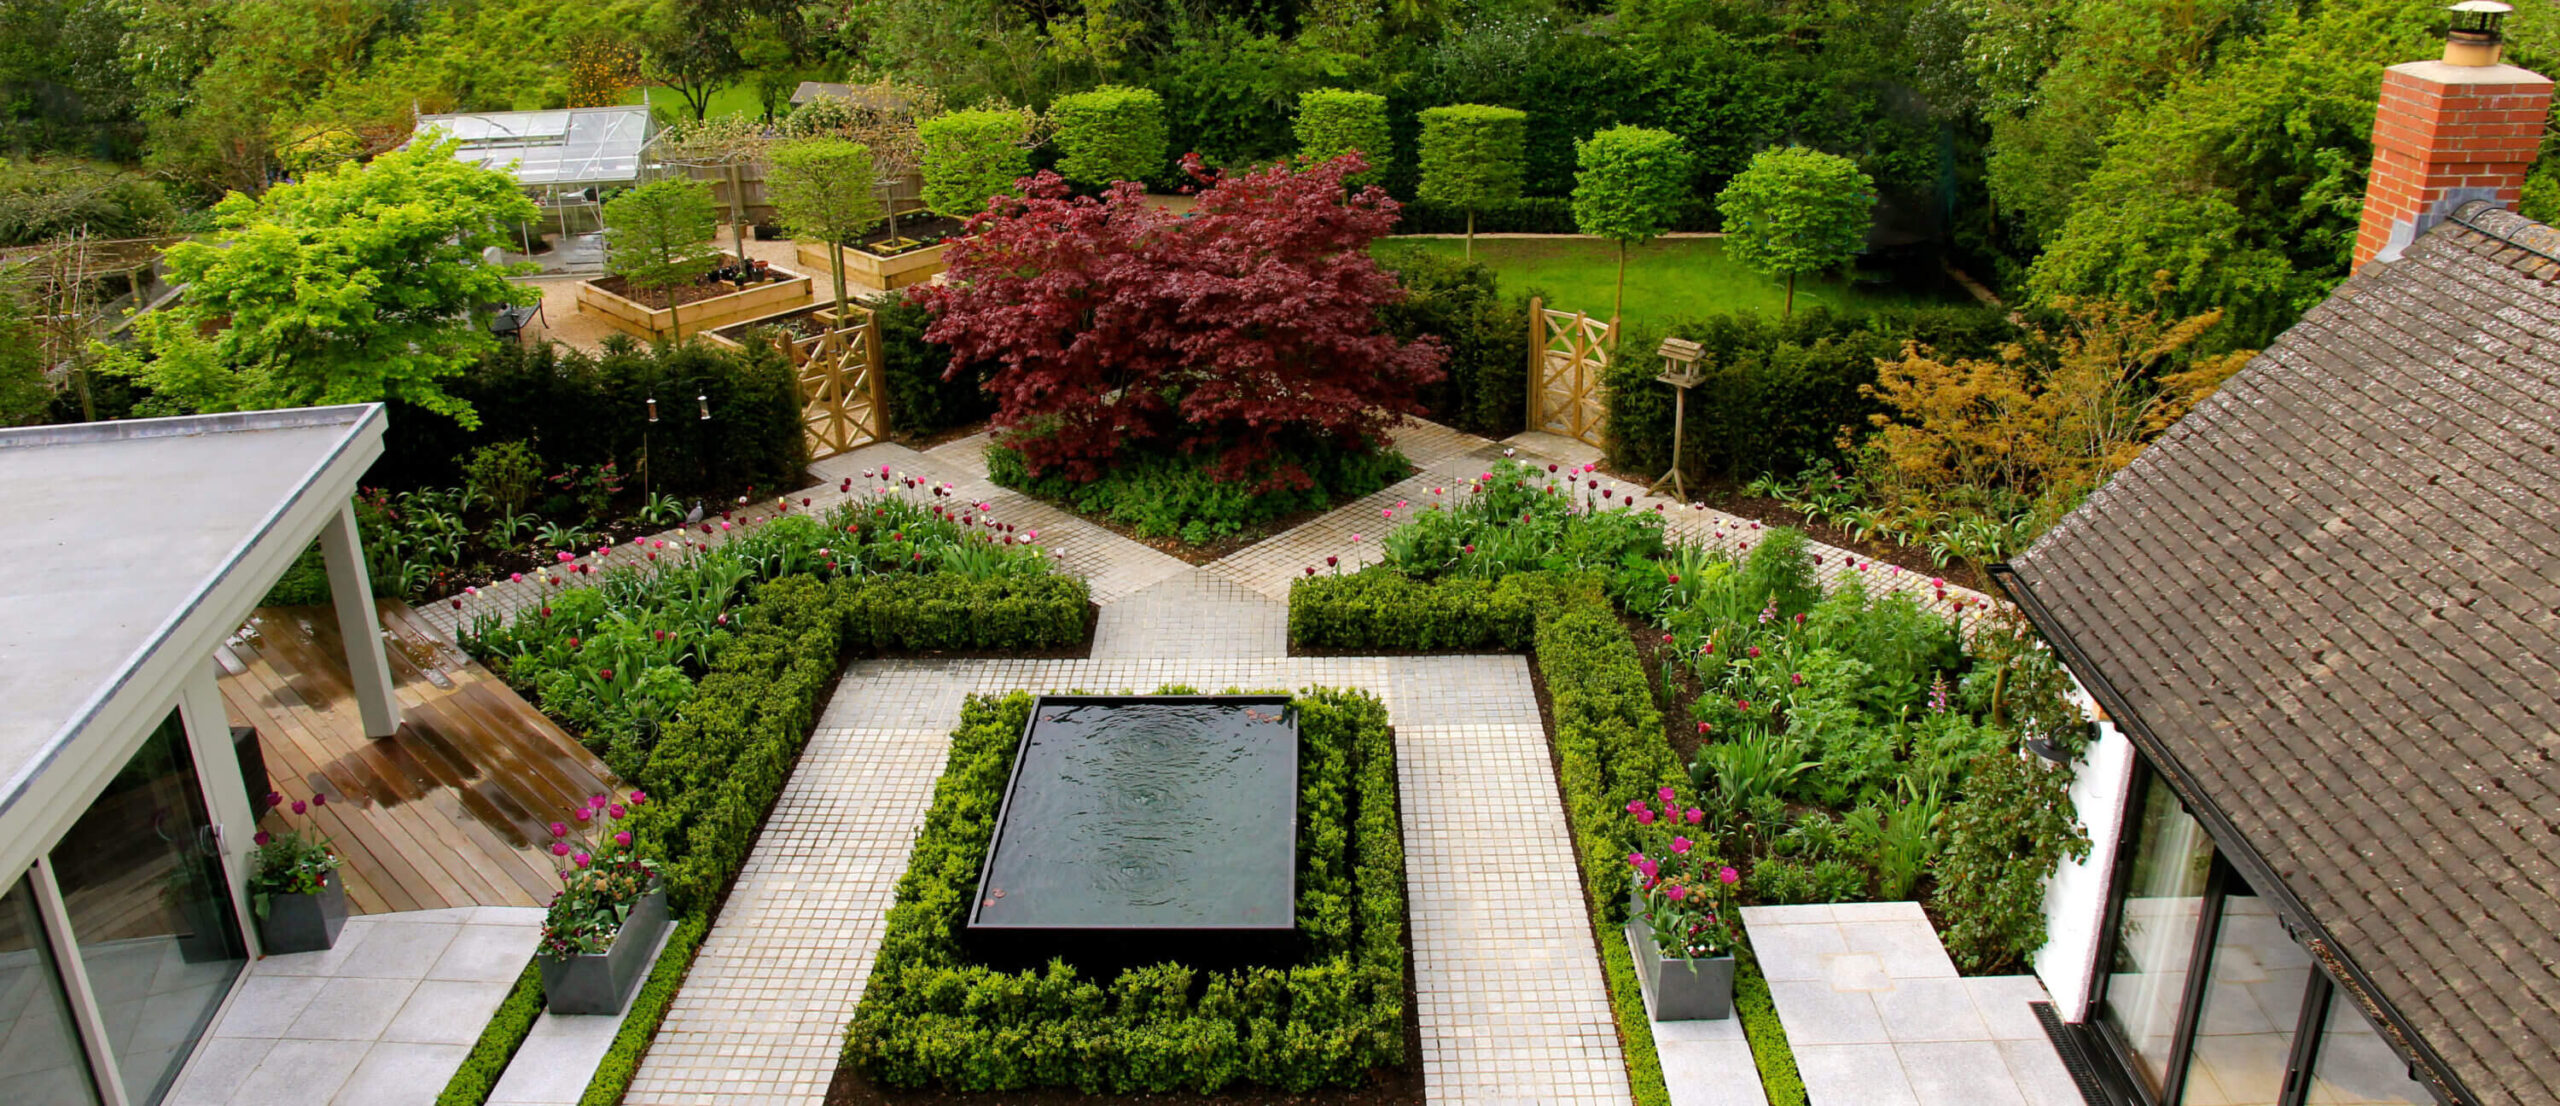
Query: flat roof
(117, 532)
(557, 146)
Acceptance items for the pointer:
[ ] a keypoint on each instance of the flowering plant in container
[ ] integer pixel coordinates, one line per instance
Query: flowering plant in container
(299, 904)
(1681, 927)
(603, 878)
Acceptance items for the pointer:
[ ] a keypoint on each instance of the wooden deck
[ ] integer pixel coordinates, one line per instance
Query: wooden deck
(452, 810)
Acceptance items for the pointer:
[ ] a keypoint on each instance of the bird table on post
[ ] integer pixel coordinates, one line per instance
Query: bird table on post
(1680, 356)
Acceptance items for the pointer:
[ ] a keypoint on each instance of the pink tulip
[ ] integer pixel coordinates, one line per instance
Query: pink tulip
(623, 838)
(1644, 817)
(616, 811)
(639, 797)
(1679, 844)
(1728, 876)
(559, 848)
(559, 829)
(318, 799)
(300, 807)
(581, 859)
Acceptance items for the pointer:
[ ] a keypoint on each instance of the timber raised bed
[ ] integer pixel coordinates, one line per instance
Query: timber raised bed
(874, 272)
(655, 323)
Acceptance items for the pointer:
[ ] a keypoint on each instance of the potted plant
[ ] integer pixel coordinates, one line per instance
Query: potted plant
(605, 922)
(300, 904)
(1681, 915)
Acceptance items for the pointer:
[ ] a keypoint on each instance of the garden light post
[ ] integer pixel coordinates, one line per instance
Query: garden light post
(647, 485)
(1682, 356)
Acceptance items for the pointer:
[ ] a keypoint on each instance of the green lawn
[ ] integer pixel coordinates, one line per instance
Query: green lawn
(1668, 278)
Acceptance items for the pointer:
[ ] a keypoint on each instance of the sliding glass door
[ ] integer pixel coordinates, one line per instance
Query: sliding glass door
(41, 1058)
(142, 885)
(2156, 921)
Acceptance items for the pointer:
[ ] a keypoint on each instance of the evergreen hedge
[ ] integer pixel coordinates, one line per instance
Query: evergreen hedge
(945, 610)
(1336, 121)
(972, 155)
(1486, 390)
(1112, 133)
(929, 1017)
(499, 1040)
(920, 400)
(1472, 155)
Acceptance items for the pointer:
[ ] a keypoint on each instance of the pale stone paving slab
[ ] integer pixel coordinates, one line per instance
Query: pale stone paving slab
(1511, 1001)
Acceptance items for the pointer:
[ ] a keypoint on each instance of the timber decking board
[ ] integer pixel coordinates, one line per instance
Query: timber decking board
(450, 811)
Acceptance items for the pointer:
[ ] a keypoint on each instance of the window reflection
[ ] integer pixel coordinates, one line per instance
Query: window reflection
(2252, 1005)
(40, 1055)
(2356, 1067)
(2156, 932)
(148, 907)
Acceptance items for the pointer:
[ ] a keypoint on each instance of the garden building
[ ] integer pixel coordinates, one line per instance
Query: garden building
(2317, 621)
(566, 158)
(126, 810)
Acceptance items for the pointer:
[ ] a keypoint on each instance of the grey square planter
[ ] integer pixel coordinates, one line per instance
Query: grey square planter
(1679, 990)
(304, 923)
(599, 982)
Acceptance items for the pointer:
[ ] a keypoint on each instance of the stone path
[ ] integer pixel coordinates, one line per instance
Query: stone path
(383, 1018)
(1878, 1017)
(1511, 1001)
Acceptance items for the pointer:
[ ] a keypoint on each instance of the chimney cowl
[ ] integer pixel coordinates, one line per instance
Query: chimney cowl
(2473, 38)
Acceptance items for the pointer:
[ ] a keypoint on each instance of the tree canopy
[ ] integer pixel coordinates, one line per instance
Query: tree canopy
(659, 235)
(1796, 212)
(359, 284)
(1633, 184)
(823, 189)
(1471, 158)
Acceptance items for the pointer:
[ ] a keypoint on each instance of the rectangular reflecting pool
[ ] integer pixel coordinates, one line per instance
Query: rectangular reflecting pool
(1137, 829)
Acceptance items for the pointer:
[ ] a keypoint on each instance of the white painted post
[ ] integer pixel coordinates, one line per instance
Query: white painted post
(368, 668)
(226, 793)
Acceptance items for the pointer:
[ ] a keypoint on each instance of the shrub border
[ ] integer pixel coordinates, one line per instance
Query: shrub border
(478, 1076)
(647, 1011)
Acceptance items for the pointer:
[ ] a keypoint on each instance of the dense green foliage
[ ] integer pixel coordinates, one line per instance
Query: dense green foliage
(1471, 155)
(648, 1009)
(2004, 839)
(506, 1031)
(822, 190)
(42, 200)
(1336, 121)
(364, 283)
(1486, 332)
(972, 155)
(25, 394)
(950, 610)
(920, 400)
(1796, 212)
(1110, 134)
(658, 235)
(1167, 495)
(1779, 1079)
(1631, 186)
(1779, 393)
(931, 1017)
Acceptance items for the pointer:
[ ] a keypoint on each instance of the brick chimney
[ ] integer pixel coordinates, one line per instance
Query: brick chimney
(2449, 132)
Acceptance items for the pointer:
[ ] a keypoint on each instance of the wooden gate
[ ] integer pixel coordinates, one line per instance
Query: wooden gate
(842, 406)
(1568, 356)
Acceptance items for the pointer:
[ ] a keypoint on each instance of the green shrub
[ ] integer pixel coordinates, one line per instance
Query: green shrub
(574, 407)
(1336, 121)
(489, 1056)
(920, 401)
(1109, 134)
(1161, 495)
(1471, 155)
(2002, 841)
(972, 155)
(1381, 610)
(1779, 393)
(929, 1017)
(57, 197)
(951, 611)
(1752, 1003)
(648, 1009)
(1487, 389)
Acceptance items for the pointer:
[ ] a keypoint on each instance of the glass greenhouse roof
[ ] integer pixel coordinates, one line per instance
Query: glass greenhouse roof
(567, 146)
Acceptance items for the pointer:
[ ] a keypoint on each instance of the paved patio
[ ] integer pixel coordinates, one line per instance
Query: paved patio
(384, 1018)
(1878, 1017)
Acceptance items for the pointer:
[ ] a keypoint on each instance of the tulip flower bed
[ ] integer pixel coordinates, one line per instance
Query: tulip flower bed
(1841, 746)
(930, 1018)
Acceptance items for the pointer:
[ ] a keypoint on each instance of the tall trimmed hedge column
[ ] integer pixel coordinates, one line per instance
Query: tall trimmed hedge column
(1630, 188)
(972, 155)
(1471, 158)
(1109, 134)
(1336, 121)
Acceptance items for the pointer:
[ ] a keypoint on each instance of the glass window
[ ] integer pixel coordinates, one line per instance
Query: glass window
(2156, 932)
(40, 1055)
(2254, 986)
(2356, 1067)
(142, 883)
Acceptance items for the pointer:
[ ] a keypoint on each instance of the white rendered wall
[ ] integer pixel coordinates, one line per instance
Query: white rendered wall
(2075, 901)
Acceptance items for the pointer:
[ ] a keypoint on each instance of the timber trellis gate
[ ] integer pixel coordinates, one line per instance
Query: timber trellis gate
(1568, 358)
(837, 374)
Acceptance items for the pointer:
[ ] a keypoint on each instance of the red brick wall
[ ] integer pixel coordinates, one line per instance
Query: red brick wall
(2431, 137)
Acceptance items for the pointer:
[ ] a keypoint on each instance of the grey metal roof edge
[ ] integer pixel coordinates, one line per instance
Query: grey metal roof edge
(357, 418)
(186, 426)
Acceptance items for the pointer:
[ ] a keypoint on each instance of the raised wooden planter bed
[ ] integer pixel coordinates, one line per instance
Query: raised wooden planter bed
(655, 323)
(872, 271)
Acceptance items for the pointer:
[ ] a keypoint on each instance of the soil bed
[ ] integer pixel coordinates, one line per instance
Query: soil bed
(922, 229)
(655, 299)
(1725, 494)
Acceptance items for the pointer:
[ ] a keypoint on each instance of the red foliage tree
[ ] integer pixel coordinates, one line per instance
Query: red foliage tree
(1246, 329)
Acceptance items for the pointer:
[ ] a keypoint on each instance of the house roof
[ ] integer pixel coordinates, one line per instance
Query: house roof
(2331, 596)
(120, 532)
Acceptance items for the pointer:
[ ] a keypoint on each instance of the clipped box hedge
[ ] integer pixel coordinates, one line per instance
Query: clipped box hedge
(949, 611)
(1609, 739)
(930, 1018)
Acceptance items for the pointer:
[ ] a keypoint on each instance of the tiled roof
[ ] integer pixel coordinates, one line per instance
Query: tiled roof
(2332, 595)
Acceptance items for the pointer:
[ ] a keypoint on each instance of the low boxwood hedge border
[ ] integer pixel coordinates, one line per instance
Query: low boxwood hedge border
(478, 1075)
(648, 1009)
(1608, 733)
(929, 1017)
(1758, 1009)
